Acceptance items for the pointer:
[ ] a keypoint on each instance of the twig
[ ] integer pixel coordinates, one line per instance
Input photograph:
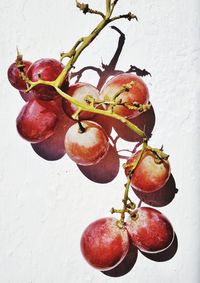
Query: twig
(86, 9)
(128, 16)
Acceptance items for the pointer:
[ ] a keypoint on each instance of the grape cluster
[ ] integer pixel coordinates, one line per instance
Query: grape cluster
(45, 86)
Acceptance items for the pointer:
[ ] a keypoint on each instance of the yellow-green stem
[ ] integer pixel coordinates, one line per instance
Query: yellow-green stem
(108, 8)
(86, 107)
(125, 199)
(128, 183)
(73, 55)
(86, 41)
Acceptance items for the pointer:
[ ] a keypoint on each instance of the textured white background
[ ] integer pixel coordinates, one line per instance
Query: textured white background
(45, 206)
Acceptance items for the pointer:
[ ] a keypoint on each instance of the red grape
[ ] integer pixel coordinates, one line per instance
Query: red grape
(150, 231)
(88, 147)
(26, 96)
(125, 265)
(47, 70)
(103, 244)
(37, 120)
(79, 91)
(149, 175)
(14, 76)
(138, 93)
(53, 148)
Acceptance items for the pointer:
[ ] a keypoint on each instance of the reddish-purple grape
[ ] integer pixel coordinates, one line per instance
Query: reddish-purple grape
(103, 244)
(37, 120)
(150, 231)
(47, 70)
(14, 76)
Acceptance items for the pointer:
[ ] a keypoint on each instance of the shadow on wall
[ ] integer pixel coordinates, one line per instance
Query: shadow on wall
(110, 69)
(126, 265)
(161, 197)
(130, 259)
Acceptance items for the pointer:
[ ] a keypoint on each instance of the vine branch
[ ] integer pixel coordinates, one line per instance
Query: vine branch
(81, 44)
(86, 9)
(128, 16)
(91, 105)
(86, 107)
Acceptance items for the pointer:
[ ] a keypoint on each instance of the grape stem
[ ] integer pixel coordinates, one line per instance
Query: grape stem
(128, 183)
(91, 105)
(74, 53)
(82, 43)
(89, 108)
(86, 9)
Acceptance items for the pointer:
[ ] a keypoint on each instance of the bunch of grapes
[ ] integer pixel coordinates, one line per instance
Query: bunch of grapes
(50, 96)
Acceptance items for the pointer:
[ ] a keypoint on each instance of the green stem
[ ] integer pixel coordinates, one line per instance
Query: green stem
(81, 45)
(113, 5)
(73, 55)
(128, 183)
(86, 107)
(86, 41)
(125, 199)
(108, 8)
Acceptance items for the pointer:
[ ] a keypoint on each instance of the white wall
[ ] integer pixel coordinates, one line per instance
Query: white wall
(45, 206)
